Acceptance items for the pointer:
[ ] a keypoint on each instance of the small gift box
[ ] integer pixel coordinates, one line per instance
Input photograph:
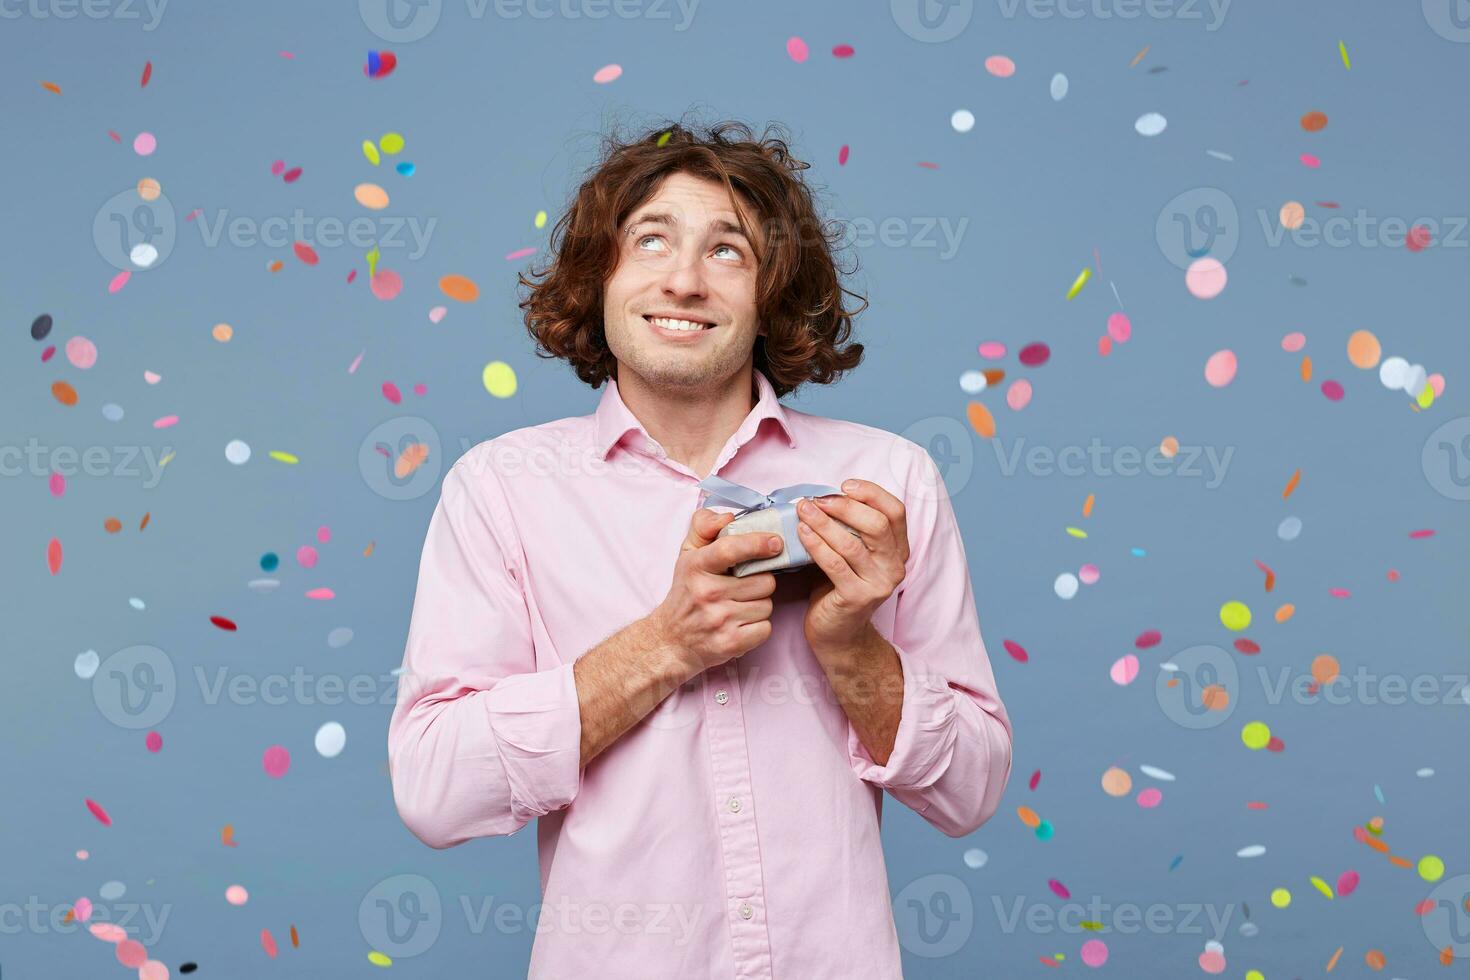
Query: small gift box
(773, 513)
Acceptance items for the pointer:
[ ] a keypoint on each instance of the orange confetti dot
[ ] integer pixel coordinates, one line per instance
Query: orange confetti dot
(63, 393)
(295, 942)
(994, 376)
(53, 555)
(112, 525)
(1028, 816)
(223, 332)
(1333, 962)
(1087, 505)
(275, 266)
(1364, 350)
(144, 522)
(1325, 668)
(1291, 484)
(149, 189)
(1314, 122)
(459, 288)
(1169, 447)
(1215, 698)
(981, 420)
(1306, 368)
(52, 87)
(1399, 862)
(1284, 613)
(1375, 959)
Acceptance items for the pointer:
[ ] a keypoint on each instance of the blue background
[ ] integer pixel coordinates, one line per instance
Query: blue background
(501, 117)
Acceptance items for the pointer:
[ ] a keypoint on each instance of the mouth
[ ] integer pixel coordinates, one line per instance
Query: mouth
(678, 326)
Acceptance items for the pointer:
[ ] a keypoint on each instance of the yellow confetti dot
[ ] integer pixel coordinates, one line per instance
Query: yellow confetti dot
(282, 457)
(1255, 735)
(1280, 897)
(1076, 532)
(540, 219)
(1235, 615)
(223, 332)
(1254, 975)
(149, 189)
(391, 143)
(500, 379)
(371, 152)
(1321, 886)
(1431, 868)
(378, 959)
(1426, 397)
(1081, 281)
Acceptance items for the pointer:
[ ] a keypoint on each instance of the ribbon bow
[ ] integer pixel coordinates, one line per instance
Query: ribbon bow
(783, 499)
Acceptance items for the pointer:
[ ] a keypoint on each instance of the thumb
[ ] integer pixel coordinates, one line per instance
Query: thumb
(704, 528)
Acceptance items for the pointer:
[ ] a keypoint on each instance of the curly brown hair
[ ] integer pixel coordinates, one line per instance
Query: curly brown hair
(799, 298)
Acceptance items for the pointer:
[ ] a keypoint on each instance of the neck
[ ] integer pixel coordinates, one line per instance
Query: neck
(692, 425)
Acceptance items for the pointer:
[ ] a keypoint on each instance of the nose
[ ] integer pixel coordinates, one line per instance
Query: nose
(685, 277)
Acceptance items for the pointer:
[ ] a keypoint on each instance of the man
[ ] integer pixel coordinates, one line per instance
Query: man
(705, 755)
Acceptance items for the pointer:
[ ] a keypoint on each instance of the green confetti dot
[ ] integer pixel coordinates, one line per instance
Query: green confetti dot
(378, 959)
(1431, 868)
(1235, 615)
(1255, 735)
(1280, 897)
(391, 143)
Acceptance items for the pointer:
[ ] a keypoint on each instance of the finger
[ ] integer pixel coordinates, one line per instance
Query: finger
(835, 565)
(704, 528)
(761, 585)
(734, 548)
(872, 524)
(754, 611)
(857, 552)
(890, 506)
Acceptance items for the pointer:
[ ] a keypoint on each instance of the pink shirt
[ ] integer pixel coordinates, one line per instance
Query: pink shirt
(734, 831)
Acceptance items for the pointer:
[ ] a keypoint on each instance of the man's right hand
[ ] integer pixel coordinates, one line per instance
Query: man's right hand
(710, 616)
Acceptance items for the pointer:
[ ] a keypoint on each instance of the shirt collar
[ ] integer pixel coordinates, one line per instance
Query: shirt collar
(613, 419)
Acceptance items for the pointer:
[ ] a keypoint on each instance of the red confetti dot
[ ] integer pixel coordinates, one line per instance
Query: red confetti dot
(48, 353)
(390, 392)
(1249, 647)
(147, 74)
(1418, 239)
(1333, 390)
(1148, 638)
(223, 623)
(290, 176)
(1035, 355)
(1393, 574)
(1276, 745)
(305, 253)
(842, 51)
(1016, 650)
(53, 555)
(1035, 778)
(1422, 533)
(99, 813)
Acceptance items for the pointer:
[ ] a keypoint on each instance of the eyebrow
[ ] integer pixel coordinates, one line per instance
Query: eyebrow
(720, 225)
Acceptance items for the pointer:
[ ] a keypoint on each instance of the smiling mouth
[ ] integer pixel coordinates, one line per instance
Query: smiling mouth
(678, 324)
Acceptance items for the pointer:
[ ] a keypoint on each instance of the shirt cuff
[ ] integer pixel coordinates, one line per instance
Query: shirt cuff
(927, 728)
(538, 730)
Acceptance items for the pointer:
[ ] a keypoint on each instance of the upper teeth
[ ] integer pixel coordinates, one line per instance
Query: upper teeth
(667, 324)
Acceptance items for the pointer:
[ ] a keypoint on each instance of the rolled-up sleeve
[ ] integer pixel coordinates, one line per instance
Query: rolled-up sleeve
(481, 741)
(951, 755)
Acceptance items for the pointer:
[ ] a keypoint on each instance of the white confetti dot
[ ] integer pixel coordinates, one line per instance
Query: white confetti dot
(86, 664)
(1425, 773)
(111, 891)
(143, 255)
(1249, 929)
(112, 412)
(330, 738)
(963, 120)
(1150, 124)
(976, 858)
(1289, 528)
(1154, 772)
(1393, 372)
(973, 382)
(1066, 585)
(339, 637)
(136, 603)
(1252, 851)
(1059, 86)
(263, 584)
(237, 452)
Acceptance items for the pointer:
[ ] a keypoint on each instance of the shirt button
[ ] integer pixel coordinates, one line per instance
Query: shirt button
(734, 804)
(721, 697)
(746, 911)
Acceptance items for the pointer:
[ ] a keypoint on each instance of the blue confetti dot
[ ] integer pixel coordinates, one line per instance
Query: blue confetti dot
(269, 561)
(405, 168)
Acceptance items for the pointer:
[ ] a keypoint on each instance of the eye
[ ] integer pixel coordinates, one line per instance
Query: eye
(737, 253)
(638, 242)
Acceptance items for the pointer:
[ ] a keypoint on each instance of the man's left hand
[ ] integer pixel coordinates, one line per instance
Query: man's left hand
(861, 572)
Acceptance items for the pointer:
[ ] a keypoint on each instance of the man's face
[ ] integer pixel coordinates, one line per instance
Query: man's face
(682, 255)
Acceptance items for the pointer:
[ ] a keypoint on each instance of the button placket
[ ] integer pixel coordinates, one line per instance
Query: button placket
(735, 819)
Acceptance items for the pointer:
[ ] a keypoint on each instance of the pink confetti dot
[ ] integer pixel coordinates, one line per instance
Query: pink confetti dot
(1120, 329)
(1436, 381)
(119, 281)
(1124, 670)
(1418, 239)
(1393, 574)
(1105, 345)
(1088, 574)
(275, 761)
(152, 377)
(277, 167)
(1058, 889)
(48, 353)
(420, 389)
(320, 593)
(1308, 160)
(292, 175)
(391, 392)
(154, 741)
(237, 895)
(992, 350)
(323, 534)
(83, 855)
(165, 422)
(386, 284)
(130, 953)
(108, 932)
(58, 484)
(607, 73)
(99, 813)
(796, 48)
(306, 556)
(1347, 883)
(1000, 66)
(1017, 652)
(82, 907)
(1150, 798)
(1293, 342)
(1212, 962)
(1094, 952)
(81, 352)
(1205, 278)
(437, 313)
(144, 144)
(842, 51)
(1333, 390)
(1018, 395)
(842, 155)
(153, 970)
(1220, 368)
(268, 943)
